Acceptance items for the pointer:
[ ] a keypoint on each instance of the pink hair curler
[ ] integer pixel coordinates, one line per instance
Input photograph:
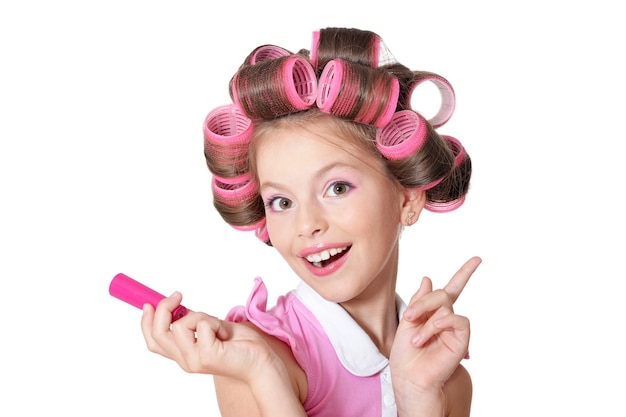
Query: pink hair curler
(457, 149)
(429, 186)
(300, 82)
(234, 190)
(329, 85)
(437, 207)
(448, 98)
(293, 89)
(136, 294)
(377, 56)
(459, 156)
(383, 119)
(261, 231)
(314, 47)
(265, 52)
(339, 93)
(402, 136)
(227, 125)
(376, 51)
(259, 228)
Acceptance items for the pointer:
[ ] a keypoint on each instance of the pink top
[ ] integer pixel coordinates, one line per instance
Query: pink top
(346, 373)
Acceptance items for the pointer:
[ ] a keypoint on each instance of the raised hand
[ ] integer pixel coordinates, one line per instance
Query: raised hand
(430, 341)
(458, 281)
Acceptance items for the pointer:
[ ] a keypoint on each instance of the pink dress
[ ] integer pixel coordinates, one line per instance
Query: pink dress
(347, 375)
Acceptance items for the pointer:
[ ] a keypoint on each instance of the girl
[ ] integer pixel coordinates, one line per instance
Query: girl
(322, 156)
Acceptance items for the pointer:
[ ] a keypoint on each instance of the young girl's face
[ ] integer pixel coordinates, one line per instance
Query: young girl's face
(332, 211)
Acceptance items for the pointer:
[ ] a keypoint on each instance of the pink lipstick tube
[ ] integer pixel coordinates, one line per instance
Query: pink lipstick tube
(136, 294)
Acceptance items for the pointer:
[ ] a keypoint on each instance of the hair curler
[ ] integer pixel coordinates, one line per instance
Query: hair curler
(362, 47)
(314, 47)
(448, 98)
(353, 91)
(444, 207)
(225, 126)
(266, 52)
(402, 136)
(274, 87)
(457, 149)
(459, 156)
(235, 190)
(136, 294)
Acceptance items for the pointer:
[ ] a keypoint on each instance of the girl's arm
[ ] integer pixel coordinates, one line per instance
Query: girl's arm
(427, 378)
(458, 393)
(430, 342)
(236, 398)
(245, 363)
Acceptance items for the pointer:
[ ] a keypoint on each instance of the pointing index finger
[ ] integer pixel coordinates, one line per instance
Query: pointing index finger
(461, 277)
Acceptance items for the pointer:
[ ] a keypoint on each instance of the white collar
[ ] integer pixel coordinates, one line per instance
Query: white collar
(354, 348)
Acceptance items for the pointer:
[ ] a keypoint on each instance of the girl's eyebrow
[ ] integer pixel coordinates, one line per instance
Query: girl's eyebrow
(320, 173)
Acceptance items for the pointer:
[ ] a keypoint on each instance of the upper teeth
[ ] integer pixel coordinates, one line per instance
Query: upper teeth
(325, 254)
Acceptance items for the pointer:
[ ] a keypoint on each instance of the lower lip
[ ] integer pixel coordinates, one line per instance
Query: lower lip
(328, 269)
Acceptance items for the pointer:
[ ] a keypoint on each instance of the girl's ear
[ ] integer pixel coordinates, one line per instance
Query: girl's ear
(414, 201)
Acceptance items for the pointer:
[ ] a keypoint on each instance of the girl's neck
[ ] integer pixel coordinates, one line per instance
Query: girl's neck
(377, 316)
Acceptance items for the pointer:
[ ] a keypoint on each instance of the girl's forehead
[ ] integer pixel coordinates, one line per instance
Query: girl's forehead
(322, 131)
(287, 150)
(298, 143)
(298, 137)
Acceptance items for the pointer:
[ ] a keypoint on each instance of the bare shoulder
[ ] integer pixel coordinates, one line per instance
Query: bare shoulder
(235, 398)
(458, 393)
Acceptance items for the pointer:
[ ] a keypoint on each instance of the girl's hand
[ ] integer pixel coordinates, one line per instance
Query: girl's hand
(430, 341)
(458, 281)
(200, 343)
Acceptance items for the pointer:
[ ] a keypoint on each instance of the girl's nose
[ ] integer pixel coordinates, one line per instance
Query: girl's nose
(311, 221)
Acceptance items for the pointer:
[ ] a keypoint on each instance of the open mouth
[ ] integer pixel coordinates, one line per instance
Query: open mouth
(327, 257)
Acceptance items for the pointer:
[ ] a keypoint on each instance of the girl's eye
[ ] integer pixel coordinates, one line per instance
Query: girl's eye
(338, 188)
(279, 204)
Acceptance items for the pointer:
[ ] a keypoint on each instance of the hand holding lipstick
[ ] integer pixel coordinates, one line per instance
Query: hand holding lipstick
(201, 343)
(137, 294)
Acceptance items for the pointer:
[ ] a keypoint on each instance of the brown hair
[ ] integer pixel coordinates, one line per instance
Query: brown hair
(440, 166)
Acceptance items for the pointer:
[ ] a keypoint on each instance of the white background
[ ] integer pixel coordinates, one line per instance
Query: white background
(101, 171)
